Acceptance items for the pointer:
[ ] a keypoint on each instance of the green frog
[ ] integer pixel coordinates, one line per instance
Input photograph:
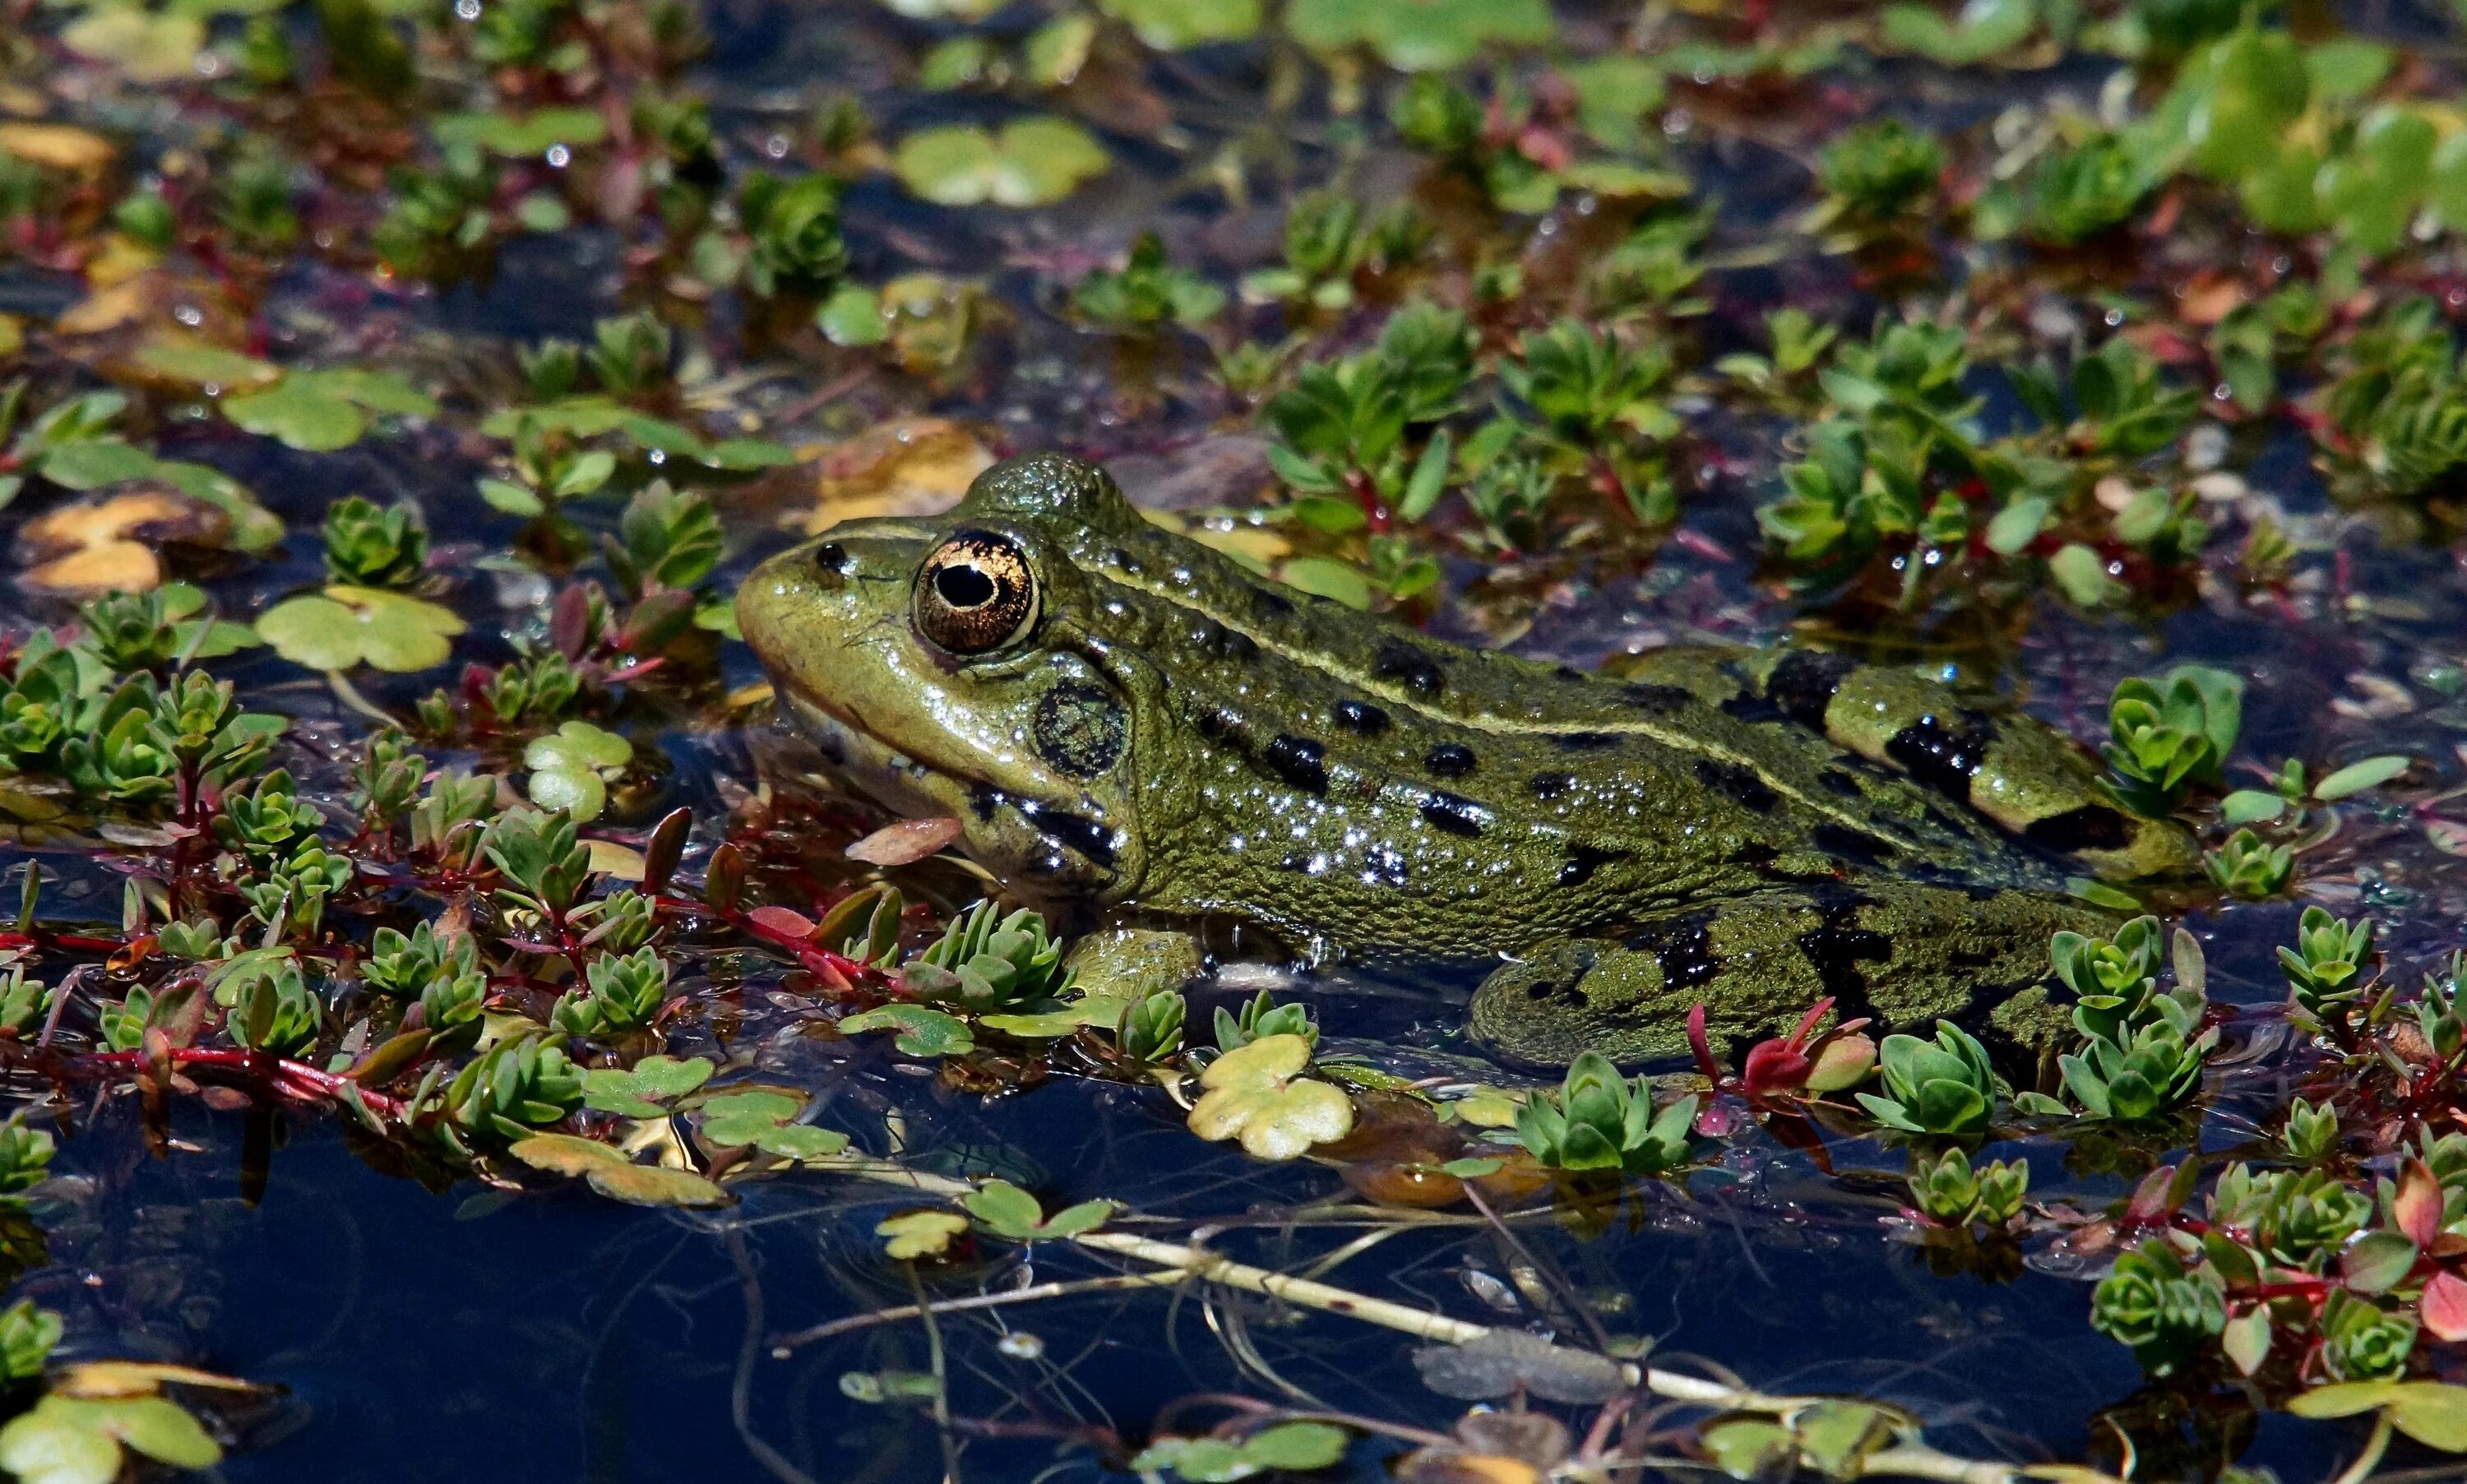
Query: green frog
(1133, 728)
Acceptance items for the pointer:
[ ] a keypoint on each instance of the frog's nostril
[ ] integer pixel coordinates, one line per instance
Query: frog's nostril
(831, 557)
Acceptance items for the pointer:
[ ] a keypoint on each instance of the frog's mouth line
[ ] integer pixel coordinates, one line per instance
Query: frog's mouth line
(910, 785)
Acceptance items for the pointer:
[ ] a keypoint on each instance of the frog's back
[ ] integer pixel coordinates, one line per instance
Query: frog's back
(1375, 791)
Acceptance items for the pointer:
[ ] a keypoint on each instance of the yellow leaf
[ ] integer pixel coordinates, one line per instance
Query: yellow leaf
(1256, 1093)
(94, 522)
(916, 1234)
(611, 859)
(909, 466)
(150, 48)
(63, 146)
(139, 1377)
(110, 567)
(123, 259)
(1256, 542)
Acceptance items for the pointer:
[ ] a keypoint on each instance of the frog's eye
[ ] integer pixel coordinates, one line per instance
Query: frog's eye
(976, 594)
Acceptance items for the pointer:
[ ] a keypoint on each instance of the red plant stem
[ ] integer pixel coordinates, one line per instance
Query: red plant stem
(821, 962)
(290, 1078)
(1374, 508)
(70, 941)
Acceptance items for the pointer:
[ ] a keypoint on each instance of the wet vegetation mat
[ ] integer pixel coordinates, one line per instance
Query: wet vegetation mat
(451, 1028)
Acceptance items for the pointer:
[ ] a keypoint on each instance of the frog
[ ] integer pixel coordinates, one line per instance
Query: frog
(1139, 734)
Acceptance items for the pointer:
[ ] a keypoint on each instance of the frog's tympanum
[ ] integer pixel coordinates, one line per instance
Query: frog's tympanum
(1131, 727)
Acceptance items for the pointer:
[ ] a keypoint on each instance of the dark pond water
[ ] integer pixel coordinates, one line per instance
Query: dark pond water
(443, 1328)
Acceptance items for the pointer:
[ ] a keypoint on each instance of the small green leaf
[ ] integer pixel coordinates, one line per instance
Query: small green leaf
(852, 316)
(347, 626)
(2251, 806)
(923, 1032)
(2358, 776)
(1005, 1208)
(1328, 577)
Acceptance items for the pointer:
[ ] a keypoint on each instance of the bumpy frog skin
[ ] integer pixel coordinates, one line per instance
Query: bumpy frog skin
(1130, 725)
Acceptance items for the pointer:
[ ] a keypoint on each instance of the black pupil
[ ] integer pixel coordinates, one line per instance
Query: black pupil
(964, 586)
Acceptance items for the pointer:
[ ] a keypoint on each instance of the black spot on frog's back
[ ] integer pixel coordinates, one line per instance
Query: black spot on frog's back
(2089, 827)
(1941, 756)
(1301, 761)
(1449, 761)
(1658, 700)
(1224, 643)
(1739, 785)
(1849, 846)
(1750, 707)
(1684, 948)
(1802, 684)
(1838, 947)
(1451, 814)
(1360, 718)
(1583, 860)
(1409, 667)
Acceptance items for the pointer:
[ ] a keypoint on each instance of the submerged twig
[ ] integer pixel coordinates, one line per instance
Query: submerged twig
(1181, 1261)
(1110, 1284)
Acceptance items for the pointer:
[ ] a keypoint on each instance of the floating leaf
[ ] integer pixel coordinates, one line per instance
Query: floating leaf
(1257, 1093)
(1031, 162)
(522, 134)
(1008, 1211)
(638, 1091)
(2358, 776)
(610, 1173)
(346, 626)
(567, 768)
(759, 1116)
(59, 147)
(1171, 25)
(1420, 35)
(852, 316)
(923, 1031)
(2431, 1413)
(147, 47)
(321, 411)
(916, 1234)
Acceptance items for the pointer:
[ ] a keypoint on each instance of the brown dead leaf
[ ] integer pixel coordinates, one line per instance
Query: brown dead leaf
(97, 546)
(60, 146)
(156, 295)
(908, 466)
(91, 572)
(2210, 299)
(905, 841)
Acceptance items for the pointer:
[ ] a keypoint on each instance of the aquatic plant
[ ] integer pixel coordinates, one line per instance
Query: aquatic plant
(1943, 1086)
(1599, 1120)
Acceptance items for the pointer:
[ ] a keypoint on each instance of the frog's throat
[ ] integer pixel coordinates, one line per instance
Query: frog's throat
(1079, 859)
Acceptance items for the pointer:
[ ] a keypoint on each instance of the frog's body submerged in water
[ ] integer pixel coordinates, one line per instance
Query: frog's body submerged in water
(1123, 718)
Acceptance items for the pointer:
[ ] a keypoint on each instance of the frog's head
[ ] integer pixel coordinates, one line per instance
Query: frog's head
(946, 666)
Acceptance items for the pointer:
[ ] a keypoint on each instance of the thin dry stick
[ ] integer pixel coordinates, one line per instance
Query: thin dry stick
(1115, 1283)
(1908, 1460)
